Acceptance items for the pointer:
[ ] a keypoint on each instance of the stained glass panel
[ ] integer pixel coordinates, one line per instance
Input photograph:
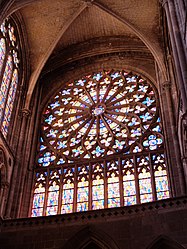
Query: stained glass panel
(5, 84)
(68, 191)
(161, 180)
(53, 193)
(98, 186)
(101, 115)
(82, 195)
(145, 184)
(113, 184)
(38, 200)
(2, 52)
(103, 133)
(9, 64)
(129, 189)
(10, 102)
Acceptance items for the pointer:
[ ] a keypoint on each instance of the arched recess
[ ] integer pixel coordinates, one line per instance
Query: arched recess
(154, 48)
(164, 242)
(3, 180)
(90, 238)
(2, 167)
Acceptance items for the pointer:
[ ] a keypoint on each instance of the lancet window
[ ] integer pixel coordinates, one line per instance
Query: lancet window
(101, 146)
(9, 72)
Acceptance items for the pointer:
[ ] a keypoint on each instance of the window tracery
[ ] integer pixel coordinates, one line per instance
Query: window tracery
(101, 146)
(9, 72)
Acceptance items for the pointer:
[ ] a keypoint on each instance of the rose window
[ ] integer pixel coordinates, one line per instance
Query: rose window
(97, 131)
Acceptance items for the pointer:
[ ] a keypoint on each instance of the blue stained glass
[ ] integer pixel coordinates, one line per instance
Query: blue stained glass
(146, 116)
(37, 212)
(148, 101)
(97, 76)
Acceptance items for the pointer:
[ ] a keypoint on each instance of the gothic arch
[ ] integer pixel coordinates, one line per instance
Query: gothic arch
(155, 49)
(164, 242)
(3, 172)
(90, 237)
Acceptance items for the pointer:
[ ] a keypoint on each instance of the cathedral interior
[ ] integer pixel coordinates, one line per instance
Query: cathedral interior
(93, 124)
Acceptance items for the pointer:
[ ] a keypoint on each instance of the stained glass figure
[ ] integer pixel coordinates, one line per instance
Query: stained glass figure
(160, 173)
(39, 195)
(113, 184)
(2, 52)
(102, 133)
(144, 179)
(82, 188)
(53, 193)
(68, 191)
(9, 71)
(98, 186)
(10, 102)
(129, 189)
(5, 84)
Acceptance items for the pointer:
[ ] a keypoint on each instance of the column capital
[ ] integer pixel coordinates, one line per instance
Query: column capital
(163, 2)
(88, 3)
(5, 185)
(26, 112)
(166, 85)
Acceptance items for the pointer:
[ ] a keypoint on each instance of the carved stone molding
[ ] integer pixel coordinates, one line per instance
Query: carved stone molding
(89, 3)
(5, 185)
(26, 113)
(163, 2)
(166, 86)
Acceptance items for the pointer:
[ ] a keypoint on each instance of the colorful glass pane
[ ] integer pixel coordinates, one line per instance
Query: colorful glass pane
(98, 195)
(145, 186)
(101, 133)
(2, 52)
(52, 199)
(67, 197)
(9, 72)
(10, 102)
(52, 210)
(68, 191)
(38, 200)
(5, 84)
(113, 191)
(100, 115)
(161, 180)
(129, 189)
(82, 196)
(37, 212)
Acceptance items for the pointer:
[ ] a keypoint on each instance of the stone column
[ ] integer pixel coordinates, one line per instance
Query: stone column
(178, 50)
(17, 176)
(3, 197)
(177, 172)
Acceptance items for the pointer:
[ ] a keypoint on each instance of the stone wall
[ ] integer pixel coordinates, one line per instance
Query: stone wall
(161, 224)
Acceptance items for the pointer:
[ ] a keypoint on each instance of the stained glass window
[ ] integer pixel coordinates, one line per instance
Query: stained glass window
(102, 135)
(9, 72)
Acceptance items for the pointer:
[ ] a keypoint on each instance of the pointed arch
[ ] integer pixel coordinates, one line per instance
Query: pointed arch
(90, 237)
(164, 242)
(3, 173)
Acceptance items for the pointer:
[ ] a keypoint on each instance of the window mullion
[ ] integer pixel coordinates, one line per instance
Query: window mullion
(46, 192)
(121, 182)
(105, 186)
(152, 178)
(136, 180)
(90, 187)
(75, 189)
(60, 190)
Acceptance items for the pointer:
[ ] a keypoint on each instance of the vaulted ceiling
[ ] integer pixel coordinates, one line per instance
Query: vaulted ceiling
(54, 26)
